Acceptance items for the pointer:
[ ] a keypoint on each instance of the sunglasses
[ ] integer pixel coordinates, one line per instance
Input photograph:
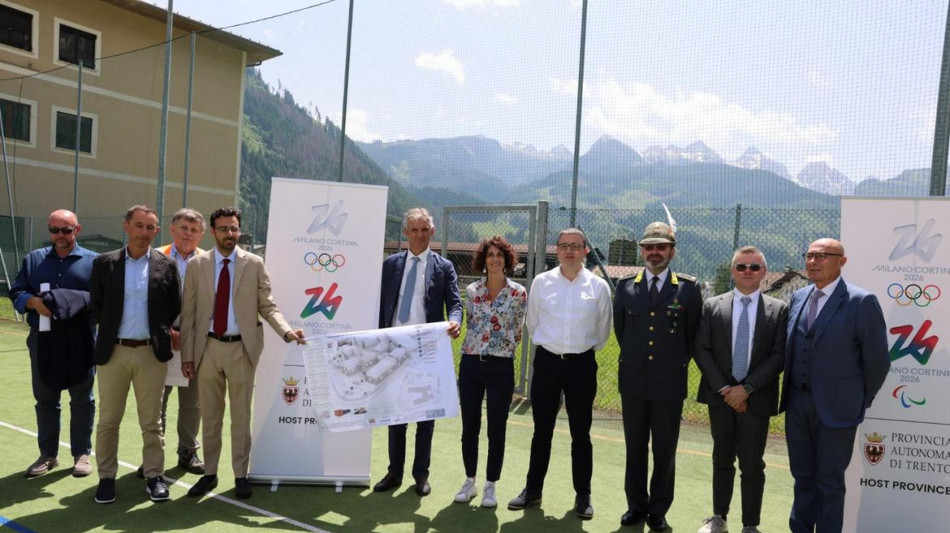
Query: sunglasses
(65, 231)
(754, 267)
(658, 247)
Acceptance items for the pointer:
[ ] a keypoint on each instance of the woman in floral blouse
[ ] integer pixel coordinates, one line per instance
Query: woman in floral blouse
(495, 308)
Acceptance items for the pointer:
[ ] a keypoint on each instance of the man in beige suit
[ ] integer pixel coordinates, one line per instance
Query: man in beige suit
(222, 340)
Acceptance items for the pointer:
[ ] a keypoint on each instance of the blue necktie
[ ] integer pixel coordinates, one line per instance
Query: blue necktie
(740, 356)
(407, 291)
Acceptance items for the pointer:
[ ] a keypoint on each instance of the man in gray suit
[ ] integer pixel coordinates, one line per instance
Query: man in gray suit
(740, 349)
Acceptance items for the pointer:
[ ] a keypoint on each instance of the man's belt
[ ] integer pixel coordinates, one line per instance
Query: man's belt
(134, 343)
(565, 356)
(224, 338)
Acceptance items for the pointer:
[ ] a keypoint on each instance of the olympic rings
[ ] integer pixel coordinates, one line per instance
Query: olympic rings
(913, 293)
(324, 261)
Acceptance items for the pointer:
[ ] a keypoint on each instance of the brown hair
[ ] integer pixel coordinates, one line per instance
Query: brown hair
(478, 260)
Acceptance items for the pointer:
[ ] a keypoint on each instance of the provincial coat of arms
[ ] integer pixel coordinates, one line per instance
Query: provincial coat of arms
(290, 390)
(874, 448)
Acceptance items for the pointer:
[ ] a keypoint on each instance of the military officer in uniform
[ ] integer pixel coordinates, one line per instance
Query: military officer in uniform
(656, 316)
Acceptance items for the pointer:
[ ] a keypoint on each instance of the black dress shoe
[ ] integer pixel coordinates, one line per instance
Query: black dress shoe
(204, 485)
(242, 488)
(389, 482)
(423, 488)
(140, 473)
(583, 508)
(657, 523)
(632, 518)
(157, 489)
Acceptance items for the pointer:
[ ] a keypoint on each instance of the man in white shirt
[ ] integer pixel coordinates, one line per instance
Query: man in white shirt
(568, 318)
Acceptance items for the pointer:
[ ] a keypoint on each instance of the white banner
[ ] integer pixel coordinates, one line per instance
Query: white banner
(899, 477)
(324, 255)
(382, 377)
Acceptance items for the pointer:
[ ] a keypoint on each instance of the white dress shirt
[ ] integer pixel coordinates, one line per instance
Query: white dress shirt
(661, 278)
(417, 309)
(736, 314)
(567, 316)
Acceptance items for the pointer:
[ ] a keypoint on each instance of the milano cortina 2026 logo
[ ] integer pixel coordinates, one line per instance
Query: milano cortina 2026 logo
(914, 341)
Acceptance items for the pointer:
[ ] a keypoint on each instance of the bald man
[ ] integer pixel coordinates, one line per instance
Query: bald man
(836, 359)
(64, 265)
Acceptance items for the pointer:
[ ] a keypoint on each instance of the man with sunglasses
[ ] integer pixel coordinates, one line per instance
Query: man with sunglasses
(740, 349)
(836, 360)
(63, 265)
(656, 317)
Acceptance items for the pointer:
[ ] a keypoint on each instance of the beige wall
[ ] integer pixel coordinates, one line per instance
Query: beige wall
(124, 95)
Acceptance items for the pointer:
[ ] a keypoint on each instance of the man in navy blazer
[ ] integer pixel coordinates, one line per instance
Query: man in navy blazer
(419, 294)
(836, 361)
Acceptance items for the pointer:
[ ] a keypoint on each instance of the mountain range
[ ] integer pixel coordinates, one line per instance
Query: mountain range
(480, 170)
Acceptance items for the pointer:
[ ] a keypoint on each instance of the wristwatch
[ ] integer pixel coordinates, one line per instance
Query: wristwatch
(747, 387)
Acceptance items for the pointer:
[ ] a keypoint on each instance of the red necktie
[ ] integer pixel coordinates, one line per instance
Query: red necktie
(221, 300)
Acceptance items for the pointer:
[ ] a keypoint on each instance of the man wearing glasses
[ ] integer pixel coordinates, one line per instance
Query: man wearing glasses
(222, 341)
(64, 265)
(568, 318)
(836, 361)
(740, 349)
(656, 317)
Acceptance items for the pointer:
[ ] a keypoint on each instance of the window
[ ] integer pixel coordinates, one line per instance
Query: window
(66, 132)
(16, 120)
(77, 46)
(16, 28)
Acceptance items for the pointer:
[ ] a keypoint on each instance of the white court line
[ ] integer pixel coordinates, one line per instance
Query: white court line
(180, 483)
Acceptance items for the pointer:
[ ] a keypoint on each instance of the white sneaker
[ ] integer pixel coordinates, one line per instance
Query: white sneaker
(714, 524)
(467, 492)
(488, 495)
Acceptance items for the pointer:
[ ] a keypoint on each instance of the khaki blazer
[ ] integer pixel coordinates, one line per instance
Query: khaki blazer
(251, 297)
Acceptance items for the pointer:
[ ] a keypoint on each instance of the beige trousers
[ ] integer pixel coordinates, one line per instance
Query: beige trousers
(226, 368)
(138, 368)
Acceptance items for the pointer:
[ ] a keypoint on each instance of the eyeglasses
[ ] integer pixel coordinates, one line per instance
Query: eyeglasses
(662, 247)
(818, 256)
(228, 229)
(754, 267)
(565, 246)
(65, 231)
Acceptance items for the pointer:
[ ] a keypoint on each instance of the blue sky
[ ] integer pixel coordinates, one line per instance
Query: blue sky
(850, 83)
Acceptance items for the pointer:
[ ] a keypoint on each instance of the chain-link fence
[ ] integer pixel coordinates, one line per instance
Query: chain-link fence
(706, 239)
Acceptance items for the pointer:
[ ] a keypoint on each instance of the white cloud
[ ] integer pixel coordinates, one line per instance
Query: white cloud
(465, 4)
(820, 158)
(641, 116)
(817, 79)
(444, 62)
(357, 126)
(506, 99)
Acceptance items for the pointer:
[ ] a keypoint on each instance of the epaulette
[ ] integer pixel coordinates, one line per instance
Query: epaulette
(687, 277)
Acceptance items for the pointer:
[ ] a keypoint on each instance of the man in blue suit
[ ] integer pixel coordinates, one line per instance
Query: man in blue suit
(836, 360)
(419, 287)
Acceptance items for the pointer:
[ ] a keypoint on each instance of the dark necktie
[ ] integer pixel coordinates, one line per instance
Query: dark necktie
(654, 292)
(740, 356)
(813, 307)
(221, 299)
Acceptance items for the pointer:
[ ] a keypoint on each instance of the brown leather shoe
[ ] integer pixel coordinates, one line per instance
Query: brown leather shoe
(191, 463)
(81, 466)
(41, 466)
(389, 482)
